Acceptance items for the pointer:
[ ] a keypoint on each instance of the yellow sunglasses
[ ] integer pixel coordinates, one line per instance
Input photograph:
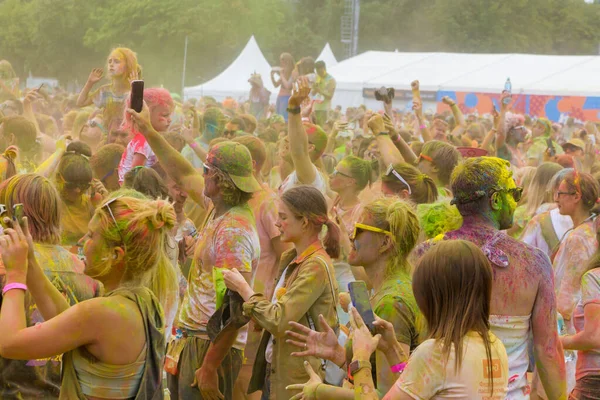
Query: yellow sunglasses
(362, 227)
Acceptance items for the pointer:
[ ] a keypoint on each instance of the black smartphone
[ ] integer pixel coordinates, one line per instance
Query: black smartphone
(41, 87)
(18, 213)
(137, 95)
(360, 300)
(552, 150)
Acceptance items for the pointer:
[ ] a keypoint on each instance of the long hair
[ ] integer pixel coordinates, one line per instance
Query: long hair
(308, 202)
(584, 184)
(422, 187)
(452, 285)
(74, 166)
(537, 192)
(398, 217)
(141, 225)
(133, 69)
(445, 157)
(41, 205)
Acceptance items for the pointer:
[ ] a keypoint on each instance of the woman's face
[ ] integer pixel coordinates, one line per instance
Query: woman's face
(178, 195)
(71, 192)
(160, 118)
(120, 137)
(289, 225)
(366, 245)
(538, 129)
(567, 200)
(116, 65)
(92, 134)
(94, 249)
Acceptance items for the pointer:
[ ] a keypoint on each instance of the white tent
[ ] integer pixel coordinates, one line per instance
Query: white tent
(327, 56)
(233, 81)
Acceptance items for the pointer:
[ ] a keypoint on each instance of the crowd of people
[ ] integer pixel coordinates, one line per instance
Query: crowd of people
(205, 249)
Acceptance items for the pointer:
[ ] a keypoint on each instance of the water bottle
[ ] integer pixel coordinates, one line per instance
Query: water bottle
(562, 330)
(507, 89)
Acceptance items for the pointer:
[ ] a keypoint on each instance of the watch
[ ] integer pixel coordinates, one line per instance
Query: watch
(295, 110)
(357, 365)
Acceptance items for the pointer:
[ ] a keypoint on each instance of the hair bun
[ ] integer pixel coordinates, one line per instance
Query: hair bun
(163, 217)
(79, 148)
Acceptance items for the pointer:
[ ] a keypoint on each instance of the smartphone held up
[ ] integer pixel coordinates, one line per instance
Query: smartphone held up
(137, 95)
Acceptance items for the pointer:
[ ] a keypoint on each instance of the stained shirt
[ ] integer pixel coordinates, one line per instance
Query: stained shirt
(228, 241)
(137, 145)
(571, 262)
(40, 379)
(588, 362)
(427, 376)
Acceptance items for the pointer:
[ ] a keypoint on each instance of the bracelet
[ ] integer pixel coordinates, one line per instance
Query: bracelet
(398, 367)
(422, 126)
(12, 286)
(295, 110)
(193, 144)
(383, 134)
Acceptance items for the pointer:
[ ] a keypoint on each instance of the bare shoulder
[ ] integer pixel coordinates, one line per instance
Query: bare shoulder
(526, 256)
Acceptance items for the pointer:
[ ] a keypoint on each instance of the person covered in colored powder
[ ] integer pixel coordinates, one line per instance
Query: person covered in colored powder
(97, 361)
(138, 151)
(541, 133)
(384, 236)
(586, 319)
(302, 148)
(227, 240)
(323, 90)
(486, 196)
(306, 291)
(29, 379)
(123, 68)
(284, 77)
(461, 358)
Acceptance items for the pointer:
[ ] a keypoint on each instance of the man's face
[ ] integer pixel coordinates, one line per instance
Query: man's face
(120, 137)
(321, 72)
(508, 204)
(230, 130)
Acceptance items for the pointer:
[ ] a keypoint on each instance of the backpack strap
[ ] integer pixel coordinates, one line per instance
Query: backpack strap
(549, 234)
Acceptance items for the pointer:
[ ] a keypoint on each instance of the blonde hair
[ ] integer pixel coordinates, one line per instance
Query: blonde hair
(141, 225)
(133, 68)
(398, 217)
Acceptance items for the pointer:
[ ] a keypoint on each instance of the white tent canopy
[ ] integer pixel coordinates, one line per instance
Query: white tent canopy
(327, 56)
(233, 81)
(476, 73)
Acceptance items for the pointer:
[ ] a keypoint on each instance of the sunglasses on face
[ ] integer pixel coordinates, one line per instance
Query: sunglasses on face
(516, 193)
(94, 124)
(229, 133)
(336, 173)
(81, 186)
(358, 228)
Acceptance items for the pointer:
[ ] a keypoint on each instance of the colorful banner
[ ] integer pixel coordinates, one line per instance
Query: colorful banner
(555, 108)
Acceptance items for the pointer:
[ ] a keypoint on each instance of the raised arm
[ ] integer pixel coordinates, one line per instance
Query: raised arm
(48, 167)
(305, 170)
(547, 349)
(501, 126)
(388, 151)
(178, 168)
(405, 150)
(418, 109)
(95, 76)
(275, 82)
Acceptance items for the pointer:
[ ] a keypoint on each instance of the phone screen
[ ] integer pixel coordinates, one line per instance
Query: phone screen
(360, 299)
(137, 95)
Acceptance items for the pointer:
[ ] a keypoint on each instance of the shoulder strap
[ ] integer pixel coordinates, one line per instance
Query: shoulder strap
(548, 232)
(310, 321)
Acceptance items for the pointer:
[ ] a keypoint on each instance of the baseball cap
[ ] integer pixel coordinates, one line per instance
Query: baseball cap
(235, 160)
(575, 143)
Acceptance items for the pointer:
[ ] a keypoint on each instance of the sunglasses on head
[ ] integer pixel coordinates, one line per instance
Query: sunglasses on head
(425, 157)
(392, 171)
(358, 228)
(107, 206)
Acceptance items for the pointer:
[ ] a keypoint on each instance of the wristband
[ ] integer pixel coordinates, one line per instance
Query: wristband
(422, 126)
(12, 286)
(295, 110)
(398, 368)
(193, 144)
(383, 134)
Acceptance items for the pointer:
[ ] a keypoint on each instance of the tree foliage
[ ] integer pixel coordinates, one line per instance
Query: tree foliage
(66, 38)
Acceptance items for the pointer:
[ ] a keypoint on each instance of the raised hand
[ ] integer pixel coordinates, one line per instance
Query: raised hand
(363, 343)
(376, 124)
(317, 344)
(300, 92)
(14, 248)
(308, 389)
(448, 101)
(141, 120)
(95, 76)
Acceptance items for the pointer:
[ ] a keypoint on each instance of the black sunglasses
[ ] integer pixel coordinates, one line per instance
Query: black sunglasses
(81, 186)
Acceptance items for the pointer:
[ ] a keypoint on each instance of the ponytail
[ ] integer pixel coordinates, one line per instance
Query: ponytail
(331, 241)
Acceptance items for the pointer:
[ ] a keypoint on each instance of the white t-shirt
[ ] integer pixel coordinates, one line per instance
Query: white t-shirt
(426, 376)
(292, 180)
